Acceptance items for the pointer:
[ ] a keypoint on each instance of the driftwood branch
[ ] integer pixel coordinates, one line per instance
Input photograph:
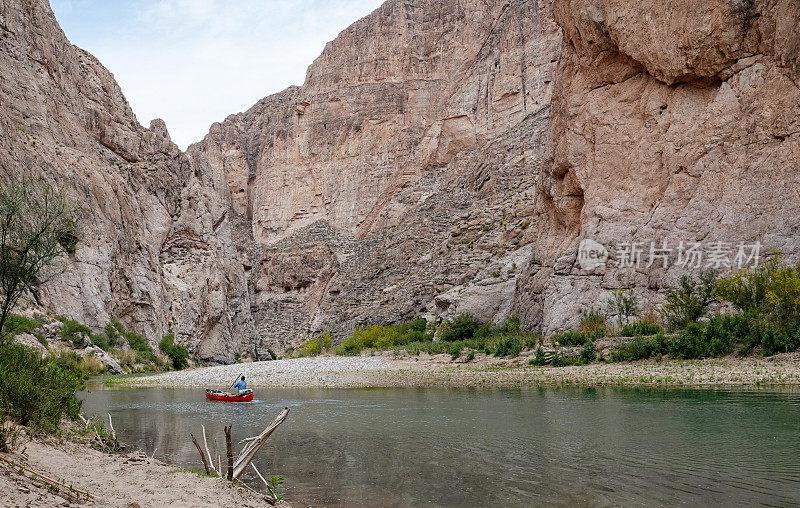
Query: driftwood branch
(254, 445)
(111, 425)
(208, 454)
(200, 451)
(259, 474)
(229, 450)
(237, 467)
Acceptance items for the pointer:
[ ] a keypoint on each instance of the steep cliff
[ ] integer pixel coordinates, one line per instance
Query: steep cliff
(672, 122)
(155, 246)
(399, 180)
(421, 168)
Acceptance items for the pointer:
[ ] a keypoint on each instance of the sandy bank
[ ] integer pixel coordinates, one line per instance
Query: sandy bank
(423, 370)
(132, 480)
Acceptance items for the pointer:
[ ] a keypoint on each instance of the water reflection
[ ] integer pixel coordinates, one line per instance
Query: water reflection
(455, 447)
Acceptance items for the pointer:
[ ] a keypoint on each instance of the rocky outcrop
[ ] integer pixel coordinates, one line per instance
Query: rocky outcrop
(671, 122)
(402, 169)
(155, 246)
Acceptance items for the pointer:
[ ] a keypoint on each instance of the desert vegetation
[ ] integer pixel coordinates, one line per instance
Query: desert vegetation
(461, 337)
(763, 317)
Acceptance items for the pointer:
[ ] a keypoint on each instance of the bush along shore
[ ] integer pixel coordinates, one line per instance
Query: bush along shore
(760, 316)
(113, 349)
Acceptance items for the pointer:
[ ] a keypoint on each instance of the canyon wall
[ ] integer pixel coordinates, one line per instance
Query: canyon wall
(441, 157)
(155, 246)
(400, 179)
(672, 122)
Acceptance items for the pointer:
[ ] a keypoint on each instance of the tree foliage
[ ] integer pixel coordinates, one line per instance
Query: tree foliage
(37, 224)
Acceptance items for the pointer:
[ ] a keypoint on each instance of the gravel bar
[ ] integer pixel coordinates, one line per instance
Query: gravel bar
(323, 371)
(423, 370)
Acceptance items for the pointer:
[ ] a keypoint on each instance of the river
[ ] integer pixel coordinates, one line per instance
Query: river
(459, 447)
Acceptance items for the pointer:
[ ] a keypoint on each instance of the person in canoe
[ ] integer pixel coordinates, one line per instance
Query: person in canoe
(240, 386)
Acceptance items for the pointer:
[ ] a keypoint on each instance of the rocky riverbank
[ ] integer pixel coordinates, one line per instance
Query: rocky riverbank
(388, 370)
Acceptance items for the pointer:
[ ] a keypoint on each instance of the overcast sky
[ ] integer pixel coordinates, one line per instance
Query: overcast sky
(194, 62)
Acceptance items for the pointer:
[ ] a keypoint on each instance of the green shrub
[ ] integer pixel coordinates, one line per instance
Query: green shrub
(640, 329)
(714, 338)
(539, 358)
(565, 361)
(144, 353)
(593, 323)
(510, 326)
(623, 304)
(384, 337)
(588, 353)
(571, 338)
(508, 346)
(74, 332)
(687, 302)
(315, 345)
(774, 342)
(8, 435)
(114, 331)
(37, 391)
(16, 324)
(177, 354)
(769, 290)
(640, 348)
(689, 343)
(461, 327)
(454, 349)
(87, 366)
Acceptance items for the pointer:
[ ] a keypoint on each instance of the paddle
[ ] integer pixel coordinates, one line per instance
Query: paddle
(234, 381)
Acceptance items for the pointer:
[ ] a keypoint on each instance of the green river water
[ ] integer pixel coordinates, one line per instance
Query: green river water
(464, 447)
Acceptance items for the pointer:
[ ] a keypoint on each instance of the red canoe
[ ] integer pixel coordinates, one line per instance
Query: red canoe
(247, 396)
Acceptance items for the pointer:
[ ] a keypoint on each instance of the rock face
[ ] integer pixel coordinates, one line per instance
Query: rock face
(155, 243)
(671, 122)
(441, 157)
(402, 170)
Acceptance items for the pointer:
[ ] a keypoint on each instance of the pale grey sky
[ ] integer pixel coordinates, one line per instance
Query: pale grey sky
(193, 62)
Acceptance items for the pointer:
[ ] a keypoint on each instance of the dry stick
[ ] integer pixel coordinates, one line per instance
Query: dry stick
(205, 443)
(259, 474)
(47, 479)
(269, 489)
(253, 446)
(111, 424)
(229, 450)
(219, 458)
(202, 456)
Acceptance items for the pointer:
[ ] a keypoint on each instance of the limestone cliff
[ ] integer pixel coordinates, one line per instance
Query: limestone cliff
(421, 168)
(399, 180)
(155, 244)
(672, 121)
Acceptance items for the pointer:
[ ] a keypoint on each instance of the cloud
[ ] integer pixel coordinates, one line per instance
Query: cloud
(193, 62)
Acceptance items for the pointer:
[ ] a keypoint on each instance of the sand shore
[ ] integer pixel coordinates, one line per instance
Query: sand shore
(388, 370)
(113, 479)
